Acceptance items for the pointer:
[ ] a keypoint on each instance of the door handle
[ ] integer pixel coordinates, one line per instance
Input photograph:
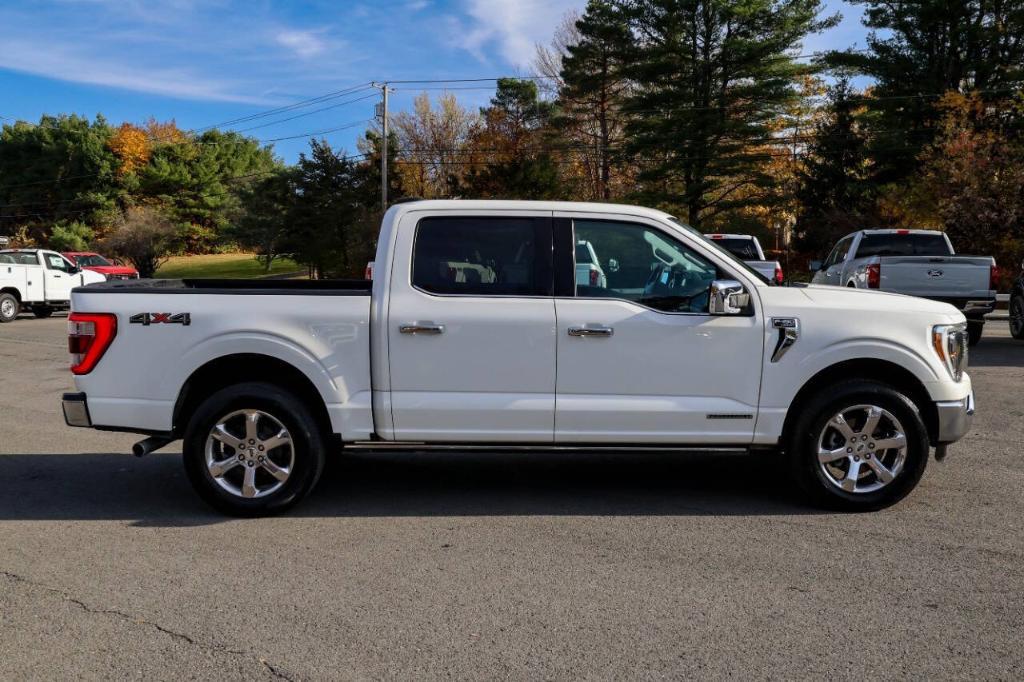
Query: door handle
(591, 330)
(422, 328)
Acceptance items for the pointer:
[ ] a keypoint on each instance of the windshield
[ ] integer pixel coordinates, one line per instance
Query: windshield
(739, 247)
(903, 245)
(725, 252)
(91, 260)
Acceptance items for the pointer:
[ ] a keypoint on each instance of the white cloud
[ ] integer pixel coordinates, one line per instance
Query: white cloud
(416, 5)
(62, 62)
(305, 44)
(514, 27)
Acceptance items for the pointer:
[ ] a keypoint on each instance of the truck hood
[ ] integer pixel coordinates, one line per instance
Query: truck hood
(848, 298)
(111, 269)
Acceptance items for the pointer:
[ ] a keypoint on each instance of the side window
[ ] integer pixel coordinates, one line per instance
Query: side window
(641, 264)
(839, 252)
(55, 262)
(482, 256)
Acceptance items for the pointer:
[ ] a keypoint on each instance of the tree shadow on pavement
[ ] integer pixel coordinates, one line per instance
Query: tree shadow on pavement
(153, 491)
(996, 351)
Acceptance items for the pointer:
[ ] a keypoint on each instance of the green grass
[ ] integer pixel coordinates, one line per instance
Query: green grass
(223, 265)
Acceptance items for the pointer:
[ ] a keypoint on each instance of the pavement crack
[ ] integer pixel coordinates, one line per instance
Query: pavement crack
(274, 670)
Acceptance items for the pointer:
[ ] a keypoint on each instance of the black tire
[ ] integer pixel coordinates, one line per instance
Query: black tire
(1017, 316)
(307, 442)
(42, 311)
(9, 307)
(809, 473)
(975, 328)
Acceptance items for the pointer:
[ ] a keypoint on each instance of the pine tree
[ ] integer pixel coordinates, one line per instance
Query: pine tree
(834, 189)
(594, 84)
(917, 52)
(711, 76)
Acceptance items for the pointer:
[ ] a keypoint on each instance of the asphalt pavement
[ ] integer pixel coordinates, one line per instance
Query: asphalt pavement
(483, 565)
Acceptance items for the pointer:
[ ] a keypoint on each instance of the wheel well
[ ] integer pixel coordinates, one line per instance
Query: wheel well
(234, 369)
(881, 371)
(13, 292)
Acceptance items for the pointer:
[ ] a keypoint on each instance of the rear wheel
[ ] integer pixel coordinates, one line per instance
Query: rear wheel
(860, 446)
(975, 328)
(9, 307)
(42, 311)
(1017, 316)
(253, 449)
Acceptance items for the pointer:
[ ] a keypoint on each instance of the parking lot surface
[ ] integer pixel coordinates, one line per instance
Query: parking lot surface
(484, 565)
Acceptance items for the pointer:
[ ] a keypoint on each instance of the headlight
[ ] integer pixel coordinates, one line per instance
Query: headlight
(950, 344)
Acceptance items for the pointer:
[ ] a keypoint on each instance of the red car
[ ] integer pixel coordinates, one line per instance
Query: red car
(86, 260)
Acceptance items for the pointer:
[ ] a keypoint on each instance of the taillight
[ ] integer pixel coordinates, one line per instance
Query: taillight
(89, 336)
(874, 275)
(368, 273)
(593, 278)
(778, 274)
(993, 277)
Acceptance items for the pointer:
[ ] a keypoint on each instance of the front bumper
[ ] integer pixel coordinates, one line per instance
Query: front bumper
(76, 410)
(955, 417)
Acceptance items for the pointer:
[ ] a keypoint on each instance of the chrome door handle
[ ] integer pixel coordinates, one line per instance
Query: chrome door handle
(591, 330)
(422, 328)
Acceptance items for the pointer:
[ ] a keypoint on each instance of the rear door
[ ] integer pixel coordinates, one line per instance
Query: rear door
(640, 359)
(471, 327)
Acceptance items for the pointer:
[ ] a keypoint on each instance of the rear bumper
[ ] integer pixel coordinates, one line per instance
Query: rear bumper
(76, 410)
(955, 417)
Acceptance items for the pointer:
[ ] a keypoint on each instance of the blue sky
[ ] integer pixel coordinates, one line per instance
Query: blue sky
(202, 62)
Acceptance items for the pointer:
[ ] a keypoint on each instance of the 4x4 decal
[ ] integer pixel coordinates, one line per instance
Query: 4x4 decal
(147, 319)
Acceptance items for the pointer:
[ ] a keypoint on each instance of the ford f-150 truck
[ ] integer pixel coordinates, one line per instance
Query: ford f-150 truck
(38, 280)
(684, 346)
(917, 263)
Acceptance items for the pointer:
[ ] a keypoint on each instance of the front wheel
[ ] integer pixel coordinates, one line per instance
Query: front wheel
(859, 446)
(9, 307)
(975, 328)
(1017, 316)
(253, 449)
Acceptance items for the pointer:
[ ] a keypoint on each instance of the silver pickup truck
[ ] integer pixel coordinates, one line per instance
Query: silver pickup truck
(917, 263)
(748, 249)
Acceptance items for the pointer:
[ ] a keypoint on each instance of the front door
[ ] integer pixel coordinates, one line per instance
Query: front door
(640, 360)
(471, 328)
(59, 280)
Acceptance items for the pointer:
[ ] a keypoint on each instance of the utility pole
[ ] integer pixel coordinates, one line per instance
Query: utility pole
(383, 114)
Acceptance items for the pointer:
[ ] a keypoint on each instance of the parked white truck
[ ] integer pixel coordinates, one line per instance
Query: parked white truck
(747, 248)
(917, 263)
(685, 347)
(38, 280)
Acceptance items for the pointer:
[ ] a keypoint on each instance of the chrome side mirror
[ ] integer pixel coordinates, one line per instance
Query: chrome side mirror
(728, 297)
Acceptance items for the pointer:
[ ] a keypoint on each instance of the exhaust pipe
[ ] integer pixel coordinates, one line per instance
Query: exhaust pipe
(151, 444)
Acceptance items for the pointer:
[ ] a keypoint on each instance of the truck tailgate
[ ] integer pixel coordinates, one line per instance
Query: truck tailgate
(937, 276)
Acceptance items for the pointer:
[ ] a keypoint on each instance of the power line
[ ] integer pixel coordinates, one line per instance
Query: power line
(288, 107)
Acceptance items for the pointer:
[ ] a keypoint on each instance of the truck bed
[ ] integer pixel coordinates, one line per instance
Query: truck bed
(264, 287)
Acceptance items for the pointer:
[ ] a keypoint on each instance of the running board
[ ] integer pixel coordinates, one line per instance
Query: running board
(544, 447)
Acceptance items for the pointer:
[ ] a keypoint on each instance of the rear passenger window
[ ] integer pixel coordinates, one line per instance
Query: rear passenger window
(482, 256)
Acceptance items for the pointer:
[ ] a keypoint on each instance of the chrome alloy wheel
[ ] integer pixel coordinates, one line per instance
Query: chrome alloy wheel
(249, 453)
(862, 449)
(8, 308)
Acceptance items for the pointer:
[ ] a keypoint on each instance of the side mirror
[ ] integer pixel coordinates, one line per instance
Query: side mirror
(613, 265)
(815, 265)
(727, 297)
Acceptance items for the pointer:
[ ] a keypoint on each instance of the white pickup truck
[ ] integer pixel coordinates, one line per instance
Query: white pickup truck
(747, 248)
(686, 348)
(38, 280)
(916, 263)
